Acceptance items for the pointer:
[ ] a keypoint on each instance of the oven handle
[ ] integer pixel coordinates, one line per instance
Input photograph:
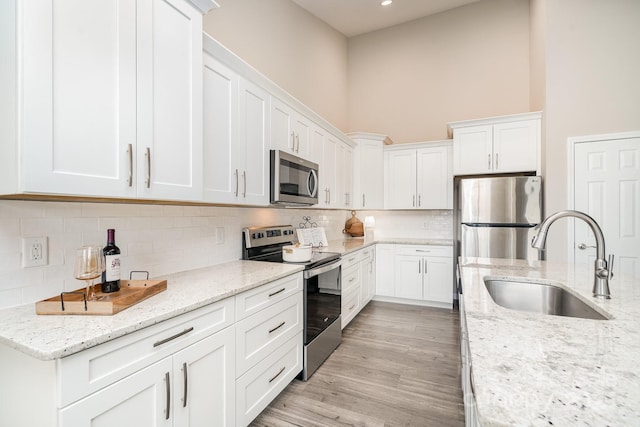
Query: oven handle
(308, 274)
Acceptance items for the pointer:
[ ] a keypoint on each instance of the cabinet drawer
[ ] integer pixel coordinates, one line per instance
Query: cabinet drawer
(366, 253)
(351, 303)
(250, 302)
(351, 278)
(262, 383)
(439, 251)
(350, 260)
(260, 334)
(97, 367)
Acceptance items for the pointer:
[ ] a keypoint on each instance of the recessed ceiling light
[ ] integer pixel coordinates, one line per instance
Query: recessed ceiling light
(386, 2)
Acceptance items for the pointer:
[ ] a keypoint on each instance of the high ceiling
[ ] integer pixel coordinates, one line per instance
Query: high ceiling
(353, 17)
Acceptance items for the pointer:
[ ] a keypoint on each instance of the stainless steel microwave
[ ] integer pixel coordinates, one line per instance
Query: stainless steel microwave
(294, 181)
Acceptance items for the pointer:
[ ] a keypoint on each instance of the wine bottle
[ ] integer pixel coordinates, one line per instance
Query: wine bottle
(111, 274)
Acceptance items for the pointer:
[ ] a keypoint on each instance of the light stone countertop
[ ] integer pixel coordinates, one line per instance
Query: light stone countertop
(346, 246)
(541, 370)
(48, 337)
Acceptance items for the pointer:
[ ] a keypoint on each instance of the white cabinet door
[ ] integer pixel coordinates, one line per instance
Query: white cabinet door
(434, 178)
(370, 170)
(515, 146)
(473, 150)
(302, 136)
(142, 400)
(328, 172)
(220, 154)
(385, 270)
(316, 145)
(79, 97)
(401, 179)
(169, 70)
(344, 175)
(204, 382)
(408, 279)
(438, 279)
(254, 144)
(282, 134)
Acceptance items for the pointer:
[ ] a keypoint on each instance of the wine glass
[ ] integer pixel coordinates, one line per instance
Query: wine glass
(89, 265)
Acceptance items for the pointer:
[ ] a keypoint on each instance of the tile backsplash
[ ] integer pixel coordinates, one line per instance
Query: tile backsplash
(161, 239)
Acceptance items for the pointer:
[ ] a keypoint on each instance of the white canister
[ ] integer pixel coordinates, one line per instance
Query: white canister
(293, 253)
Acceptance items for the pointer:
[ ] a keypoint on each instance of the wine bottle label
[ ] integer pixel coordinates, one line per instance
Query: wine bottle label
(112, 272)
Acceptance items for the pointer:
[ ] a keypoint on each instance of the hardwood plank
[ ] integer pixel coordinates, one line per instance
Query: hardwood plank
(398, 365)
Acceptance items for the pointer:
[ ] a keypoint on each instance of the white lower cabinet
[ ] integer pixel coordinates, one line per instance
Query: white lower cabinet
(368, 275)
(195, 384)
(358, 282)
(417, 273)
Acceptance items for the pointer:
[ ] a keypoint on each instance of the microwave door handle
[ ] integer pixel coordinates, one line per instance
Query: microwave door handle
(312, 175)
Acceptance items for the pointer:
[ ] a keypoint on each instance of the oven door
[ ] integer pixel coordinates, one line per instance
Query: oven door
(322, 302)
(293, 180)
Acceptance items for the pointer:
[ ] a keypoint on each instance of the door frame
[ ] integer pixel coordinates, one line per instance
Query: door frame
(571, 149)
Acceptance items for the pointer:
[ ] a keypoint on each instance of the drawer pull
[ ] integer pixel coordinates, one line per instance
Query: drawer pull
(276, 292)
(278, 374)
(351, 259)
(277, 327)
(167, 381)
(422, 250)
(352, 279)
(186, 384)
(173, 337)
(351, 308)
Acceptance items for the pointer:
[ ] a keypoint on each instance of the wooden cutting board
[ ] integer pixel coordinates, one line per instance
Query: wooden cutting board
(131, 292)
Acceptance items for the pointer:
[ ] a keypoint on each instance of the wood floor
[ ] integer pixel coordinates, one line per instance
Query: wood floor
(398, 365)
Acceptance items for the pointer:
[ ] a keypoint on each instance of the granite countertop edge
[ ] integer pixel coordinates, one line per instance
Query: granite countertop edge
(49, 337)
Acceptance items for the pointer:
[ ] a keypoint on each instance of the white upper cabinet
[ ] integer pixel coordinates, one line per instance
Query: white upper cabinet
(344, 175)
(111, 104)
(368, 173)
(327, 195)
(236, 137)
(290, 131)
(497, 145)
(419, 176)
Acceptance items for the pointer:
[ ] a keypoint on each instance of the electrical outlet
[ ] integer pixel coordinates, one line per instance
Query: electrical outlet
(219, 235)
(35, 251)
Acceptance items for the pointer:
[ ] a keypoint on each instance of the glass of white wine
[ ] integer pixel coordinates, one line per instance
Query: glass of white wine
(89, 265)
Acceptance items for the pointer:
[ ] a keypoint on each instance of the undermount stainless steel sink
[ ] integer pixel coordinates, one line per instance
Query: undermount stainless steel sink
(539, 297)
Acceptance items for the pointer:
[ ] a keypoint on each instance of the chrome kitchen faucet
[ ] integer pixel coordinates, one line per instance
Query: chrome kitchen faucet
(603, 270)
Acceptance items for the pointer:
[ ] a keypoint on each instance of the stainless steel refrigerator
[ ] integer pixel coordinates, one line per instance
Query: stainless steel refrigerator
(497, 215)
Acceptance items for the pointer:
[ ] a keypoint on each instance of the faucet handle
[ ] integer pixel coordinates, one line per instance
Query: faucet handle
(610, 266)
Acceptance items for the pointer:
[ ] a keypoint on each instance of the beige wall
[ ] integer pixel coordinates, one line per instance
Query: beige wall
(293, 48)
(408, 81)
(592, 86)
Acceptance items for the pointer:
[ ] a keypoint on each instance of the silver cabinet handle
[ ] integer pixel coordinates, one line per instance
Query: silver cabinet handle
(167, 381)
(363, 204)
(419, 266)
(583, 246)
(278, 374)
(293, 142)
(276, 292)
(297, 142)
(419, 200)
(277, 327)
(413, 203)
(496, 161)
(186, 384)
(148, 155)
(489, 162)
(130, 156)
(351, 308)
(236, 175)
(425, 266)
(329, 200)
(173, 337)
(244, 188)
(423, 250)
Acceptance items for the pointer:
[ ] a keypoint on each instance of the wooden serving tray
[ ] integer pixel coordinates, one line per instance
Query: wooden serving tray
(131, 292)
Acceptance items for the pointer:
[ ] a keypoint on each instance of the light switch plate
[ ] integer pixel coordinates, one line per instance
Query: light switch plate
(35, 251)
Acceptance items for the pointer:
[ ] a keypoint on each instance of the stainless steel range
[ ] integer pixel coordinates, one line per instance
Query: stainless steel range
(322, 290)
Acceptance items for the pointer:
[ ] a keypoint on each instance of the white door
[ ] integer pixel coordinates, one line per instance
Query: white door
(385, 270)
(220, 142)
(282, 137)
(254, 130)
(434, 178)
(169, 100)
(204, 384)
(607, 187)
(79, 97)
(327, 173)
(141, 399)
(409, 271)
(438, 279)
(400, 189)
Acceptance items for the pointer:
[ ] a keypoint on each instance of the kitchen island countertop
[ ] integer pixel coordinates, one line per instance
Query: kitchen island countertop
(542, 370)
(48, 337)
